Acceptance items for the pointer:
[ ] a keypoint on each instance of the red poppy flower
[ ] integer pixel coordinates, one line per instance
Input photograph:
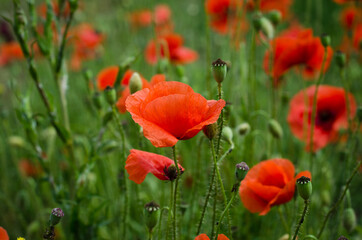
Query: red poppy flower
(3, 234)
(121, 103)
(29, 169)
(10, 52)
(171, 47)
(350, 16)
(203, 236)
(141, 18)
(172, 111)
(267, 184)
(140, 163)
(357, 37)
(268, 5)
(302, 49)
(331, 114)
(86, 40)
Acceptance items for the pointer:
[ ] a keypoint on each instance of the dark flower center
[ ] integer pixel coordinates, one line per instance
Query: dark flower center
(325, 119)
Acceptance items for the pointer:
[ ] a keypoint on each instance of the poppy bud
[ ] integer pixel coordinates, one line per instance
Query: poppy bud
(349, 219)
(275, 129)
(135, 83)
(342, 238)
(73, 4)
(304, 186)
(326, 40)
(56, 216)
(264, 25)
(274, 16)
(227, 134)
(162, 65)
(243, 129)
(110, 95)
(219, 70)
(341, 59)
(180, 71)
(241, 169)
(151, 214)
(97, 100)
(210, 131)
(170, 172)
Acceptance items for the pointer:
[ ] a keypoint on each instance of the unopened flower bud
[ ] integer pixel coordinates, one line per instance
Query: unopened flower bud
(135, 83)
(227, 134)
(341, 59)
(219, 70)
(111, 95)
(326, 40)
(274, 16)
(97, 100)
(210, 131)
(170, 172)
(241, 169)
(349, 219)
(275, 129)
(180, 71)
(162, 65)
(151, 214)
(243, 129)
(304, 186)
(55, 216)
(264, 25)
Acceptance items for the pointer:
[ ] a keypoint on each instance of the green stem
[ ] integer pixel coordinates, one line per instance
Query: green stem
(169, 218)
(160, 221)
(335, 206)
(175, 194)
(214, 210)
(314, 106)
(306, 203)
(282, 218)
(221, 120)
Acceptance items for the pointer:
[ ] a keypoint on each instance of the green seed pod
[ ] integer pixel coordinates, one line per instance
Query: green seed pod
(111, 95)
(275, 129)
(219, 70)
(97, 100)
(326, 40)
(341, 59)
(241, 169)
(210, 131)
(55, 216)
(135, 83)
(304, 186)
(227, 134)
(274, 16)
(349, 219)
(151, 215)
(243, 129)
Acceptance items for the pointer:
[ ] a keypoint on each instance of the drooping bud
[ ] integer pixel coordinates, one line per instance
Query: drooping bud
(275, 129)
(55, 216)
(264, 25)
(151, 214)
(210, 131)
(219, 70)
(97, 100)
(243, 129)
(241, 169)
(304, 186)
(349, 219)
(274, 16)
(135, 83)
(227, 134)
(341, 59)
(111, 95)
(326, 40)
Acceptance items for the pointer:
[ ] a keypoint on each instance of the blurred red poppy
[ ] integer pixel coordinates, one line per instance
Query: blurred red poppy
(331, 114)
(357, 37)
(140, 163)
(269, 183)
(29, 169)
(121, 103)
(344, 1)
(172, 111)
(9, 52)
(170, 46)
(268, 5)
(297, 48)
(203, 236)
(350, 16)
(3, 234)
(140, 18)
(86, 40)
(42, 9)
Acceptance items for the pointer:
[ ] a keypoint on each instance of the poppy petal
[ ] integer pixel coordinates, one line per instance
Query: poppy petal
(202, 236)
(3, 234)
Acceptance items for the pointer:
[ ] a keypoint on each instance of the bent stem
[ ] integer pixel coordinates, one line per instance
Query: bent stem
(175, 194)
(335, 206)
(306, 204)
(314, 107)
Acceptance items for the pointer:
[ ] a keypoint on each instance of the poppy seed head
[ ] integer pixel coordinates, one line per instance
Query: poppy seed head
(58, 212)
(303, 180)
